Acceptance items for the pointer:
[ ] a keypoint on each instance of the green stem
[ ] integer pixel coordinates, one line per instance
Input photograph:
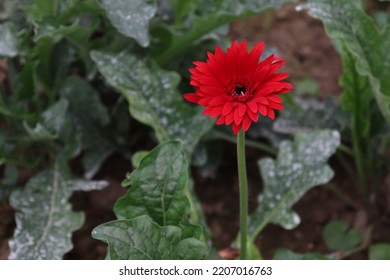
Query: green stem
(359, 160)
(243, 193)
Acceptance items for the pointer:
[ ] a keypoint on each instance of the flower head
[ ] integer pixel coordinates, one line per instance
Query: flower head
(235, 86)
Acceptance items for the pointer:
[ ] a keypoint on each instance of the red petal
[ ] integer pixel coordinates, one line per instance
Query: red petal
(261, 99)
(275, 106)
(266, 62)
(227, 108)
(286, 85)
(209, 81)
(219, 100)
(275, 99)
(270, 113)
(277, 77)
(219, 53)
(212, 90)
(254, 116)
(276, 65)
(192, 97)
(252, 106)
(210, 55)
(218, 69)
(237, 119)
(265, 91)
(207, 110)
(241, 109)
(256, 52)
(229, 118)
(221, 120)
(262, 109)
(246, 123)
(236, 129)
(204, 101)
(216, 111)
(195, 83)
(261, 72)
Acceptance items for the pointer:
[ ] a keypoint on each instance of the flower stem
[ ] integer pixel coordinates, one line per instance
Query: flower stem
(243, 184)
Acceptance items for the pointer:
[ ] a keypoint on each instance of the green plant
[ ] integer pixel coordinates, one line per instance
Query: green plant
(86, 79)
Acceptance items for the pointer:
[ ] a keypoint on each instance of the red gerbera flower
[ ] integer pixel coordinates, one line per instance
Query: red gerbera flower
(235, 86)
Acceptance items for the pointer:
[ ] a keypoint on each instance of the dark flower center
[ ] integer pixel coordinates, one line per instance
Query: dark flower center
(240, 89)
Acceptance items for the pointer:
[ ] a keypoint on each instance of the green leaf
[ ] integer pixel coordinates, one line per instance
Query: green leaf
(299, 167)
(356, 95)
(181, 9)
(87, 118)
(137, 157)
(153, 97)
(285, 254)
(26, 84)
(80, 8)
(309, 114)
(346, 21)
(339, 237)
(380, 251)
(157, 189)
(142, 239)
(253, 252)
(210, 15)
(382, 19)
(8, 40)
(41, 8)
(86, 185)
(131, 17)
(44, 217)
(196, 214)
(52, 122)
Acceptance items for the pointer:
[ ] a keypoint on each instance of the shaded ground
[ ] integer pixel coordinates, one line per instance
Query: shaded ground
(302, 42)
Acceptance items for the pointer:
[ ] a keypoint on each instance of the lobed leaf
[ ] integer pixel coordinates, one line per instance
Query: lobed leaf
(142, 239)
(44, 218)
(157, 189)
(346, 21)
(311, 114)
(131, 17)
(153, 97)
(300, 166)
